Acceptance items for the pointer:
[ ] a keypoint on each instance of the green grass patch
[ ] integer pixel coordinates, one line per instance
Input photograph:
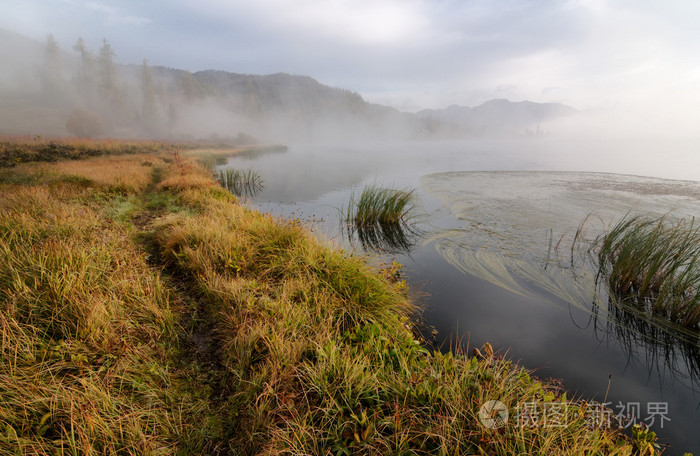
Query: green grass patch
(85, 324)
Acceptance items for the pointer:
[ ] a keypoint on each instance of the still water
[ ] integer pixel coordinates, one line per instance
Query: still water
(494, 261)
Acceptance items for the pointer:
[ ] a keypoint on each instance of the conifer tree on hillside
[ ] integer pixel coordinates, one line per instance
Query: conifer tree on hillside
(112, 100)
(189, 87)
(108, 72)
(85, 77)
(52, 77)
(149, 108)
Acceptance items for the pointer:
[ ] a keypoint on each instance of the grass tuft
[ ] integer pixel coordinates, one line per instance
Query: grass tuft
(377, 205)
(653, 264)
(381, 218)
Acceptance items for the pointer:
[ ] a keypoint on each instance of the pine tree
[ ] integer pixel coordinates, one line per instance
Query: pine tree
(52, 78)
(149, 110)
(108, 72)
(86, 63)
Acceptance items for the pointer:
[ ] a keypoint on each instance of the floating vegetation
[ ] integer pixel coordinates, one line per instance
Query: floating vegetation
(524, 277)
(653, 264)
(382, 219)
(245, 183)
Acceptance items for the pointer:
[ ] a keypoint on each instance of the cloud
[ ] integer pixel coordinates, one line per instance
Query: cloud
(362, 22)
(418, 53)
(115, 16)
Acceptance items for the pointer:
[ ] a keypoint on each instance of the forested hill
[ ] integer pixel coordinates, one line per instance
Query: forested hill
(288, 106)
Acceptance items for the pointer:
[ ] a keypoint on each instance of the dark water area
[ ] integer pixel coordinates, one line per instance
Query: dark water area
(484, 269)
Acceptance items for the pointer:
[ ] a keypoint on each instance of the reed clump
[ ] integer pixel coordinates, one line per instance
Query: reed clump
(653, 264)
(382, 219)
(380, 206)
(240, 182)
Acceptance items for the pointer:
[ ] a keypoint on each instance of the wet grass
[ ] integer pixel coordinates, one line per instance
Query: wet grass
(198, 326)
(653, 264)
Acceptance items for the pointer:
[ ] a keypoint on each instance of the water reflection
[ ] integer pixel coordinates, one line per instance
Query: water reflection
(392, 238)
(664, 346)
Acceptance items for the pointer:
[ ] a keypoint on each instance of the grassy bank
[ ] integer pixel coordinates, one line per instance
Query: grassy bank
(145, 311)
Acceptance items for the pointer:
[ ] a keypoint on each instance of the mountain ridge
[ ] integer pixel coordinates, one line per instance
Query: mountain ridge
(158, 101)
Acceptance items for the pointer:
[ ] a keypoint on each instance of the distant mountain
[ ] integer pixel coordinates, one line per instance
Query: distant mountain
(297, 106)
(497, 116)
(43, 86)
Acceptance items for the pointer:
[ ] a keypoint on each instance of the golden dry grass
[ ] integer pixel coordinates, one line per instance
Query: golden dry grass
(131, 173)
(85, 325)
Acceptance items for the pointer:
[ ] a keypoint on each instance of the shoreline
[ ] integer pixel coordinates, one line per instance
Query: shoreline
(231, 331)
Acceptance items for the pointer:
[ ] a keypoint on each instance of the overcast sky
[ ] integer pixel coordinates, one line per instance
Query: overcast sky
(410, 54)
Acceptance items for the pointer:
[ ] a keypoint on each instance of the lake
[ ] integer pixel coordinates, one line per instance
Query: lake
(491, 260)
